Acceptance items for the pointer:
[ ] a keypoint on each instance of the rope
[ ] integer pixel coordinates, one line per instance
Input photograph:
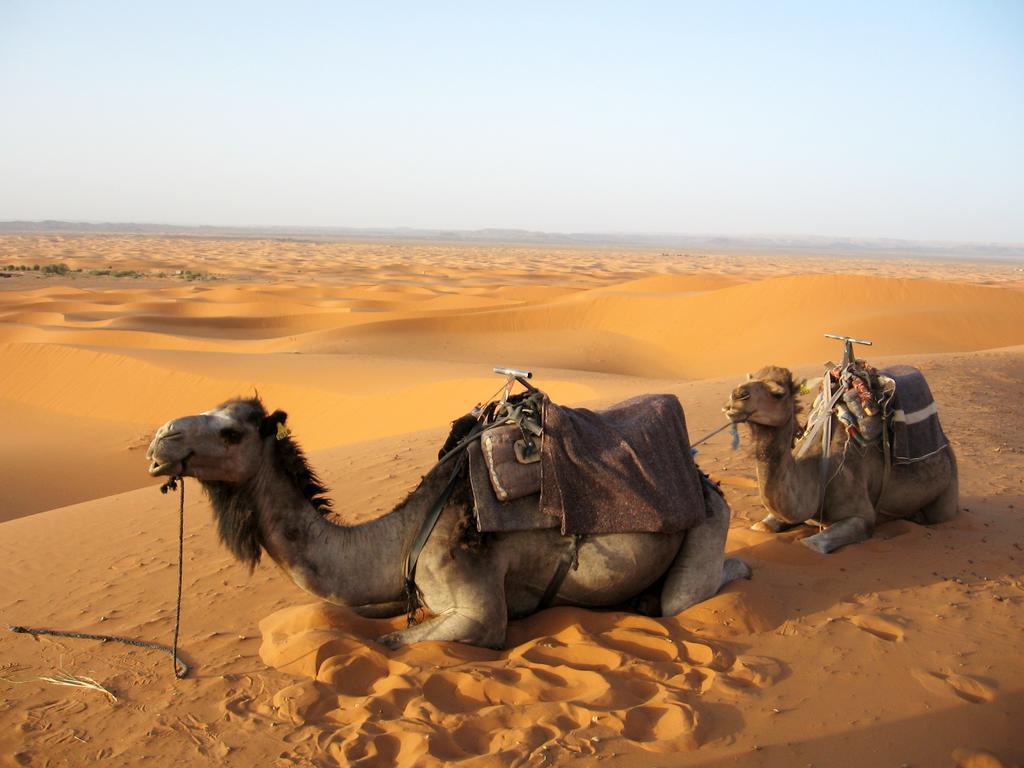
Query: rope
(181, 566)
(181, 669)
(727, 425)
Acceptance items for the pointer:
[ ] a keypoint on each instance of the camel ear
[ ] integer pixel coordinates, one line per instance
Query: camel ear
(269, 425)
(750, 377)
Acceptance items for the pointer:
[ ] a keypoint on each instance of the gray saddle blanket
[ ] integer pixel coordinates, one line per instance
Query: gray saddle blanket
(627, 469)
(916, 431)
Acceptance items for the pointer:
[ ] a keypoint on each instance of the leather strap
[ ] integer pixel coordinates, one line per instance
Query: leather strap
(886, 455)
(826, 444)
(411, 592)
(569, 560)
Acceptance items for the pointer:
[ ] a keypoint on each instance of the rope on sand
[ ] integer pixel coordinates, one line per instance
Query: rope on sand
(181, 669)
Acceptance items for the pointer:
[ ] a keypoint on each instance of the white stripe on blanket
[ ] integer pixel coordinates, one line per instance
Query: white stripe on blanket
(915, 416)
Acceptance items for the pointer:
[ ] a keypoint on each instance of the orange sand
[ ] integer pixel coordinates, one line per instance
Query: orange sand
(897, 651)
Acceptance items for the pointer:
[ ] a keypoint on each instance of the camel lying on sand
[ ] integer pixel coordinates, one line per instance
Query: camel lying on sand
(926, 491)
(266, 498)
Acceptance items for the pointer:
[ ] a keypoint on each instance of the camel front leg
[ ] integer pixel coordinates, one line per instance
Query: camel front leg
(468, 599)
(454, 626)
(848, 531)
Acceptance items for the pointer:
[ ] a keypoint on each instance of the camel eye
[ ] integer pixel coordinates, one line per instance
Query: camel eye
(231, 435)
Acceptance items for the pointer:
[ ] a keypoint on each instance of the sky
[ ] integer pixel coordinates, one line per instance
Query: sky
(888, 119)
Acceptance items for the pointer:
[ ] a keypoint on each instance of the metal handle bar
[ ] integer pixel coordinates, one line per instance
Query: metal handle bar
(837, 336)
(848, 342)
(514, 373)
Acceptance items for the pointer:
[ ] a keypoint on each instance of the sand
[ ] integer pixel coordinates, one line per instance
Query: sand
(902, 650)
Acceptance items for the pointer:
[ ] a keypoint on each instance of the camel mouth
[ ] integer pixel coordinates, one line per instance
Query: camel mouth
(737, 415)
(161, 469)
(172, 468)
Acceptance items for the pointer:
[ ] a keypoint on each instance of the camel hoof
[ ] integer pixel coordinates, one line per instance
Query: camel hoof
(769, 525)
(392, 640)
(816, 546)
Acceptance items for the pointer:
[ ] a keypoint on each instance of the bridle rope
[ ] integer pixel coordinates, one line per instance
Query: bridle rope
(181, 669)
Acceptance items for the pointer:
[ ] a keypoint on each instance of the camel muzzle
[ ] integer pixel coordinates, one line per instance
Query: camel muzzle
(733, 410)
(167, 454)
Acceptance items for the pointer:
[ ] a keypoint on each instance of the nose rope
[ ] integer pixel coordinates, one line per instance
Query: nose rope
(181, 669)
(727, 425)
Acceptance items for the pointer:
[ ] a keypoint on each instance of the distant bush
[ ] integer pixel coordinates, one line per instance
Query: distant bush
(56, 269)
(107, 272)
(190, 275)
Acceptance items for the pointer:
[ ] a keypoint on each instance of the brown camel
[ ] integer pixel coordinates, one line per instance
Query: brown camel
(266, 498)
(926, 491)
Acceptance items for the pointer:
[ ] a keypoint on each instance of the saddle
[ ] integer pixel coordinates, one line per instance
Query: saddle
(534, 465)
(894, 403)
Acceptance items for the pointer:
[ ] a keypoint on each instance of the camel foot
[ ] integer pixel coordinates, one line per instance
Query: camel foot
(733, 568)
(815, 544)
(392, 640)
(771, 524)
(848, 531)
(454, 627)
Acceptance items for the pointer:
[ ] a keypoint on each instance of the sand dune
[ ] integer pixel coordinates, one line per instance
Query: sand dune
(901, 650)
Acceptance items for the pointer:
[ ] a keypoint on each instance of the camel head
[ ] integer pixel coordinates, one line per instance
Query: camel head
(225, 445)
(228, 450)
(768, 397)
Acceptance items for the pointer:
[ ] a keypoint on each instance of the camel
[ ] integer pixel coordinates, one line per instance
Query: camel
(265, 498)
(926, 491)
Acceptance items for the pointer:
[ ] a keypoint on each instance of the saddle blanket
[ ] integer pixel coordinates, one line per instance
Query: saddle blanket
(916, 431)
(626, 469)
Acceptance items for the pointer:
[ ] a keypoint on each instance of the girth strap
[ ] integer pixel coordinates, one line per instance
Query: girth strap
(411, 593)
(886, 455)
(826, 444)
(571, 559)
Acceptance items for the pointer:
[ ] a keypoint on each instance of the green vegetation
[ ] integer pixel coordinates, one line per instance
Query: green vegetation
(188, 274)
(64, 269)
(108, 272)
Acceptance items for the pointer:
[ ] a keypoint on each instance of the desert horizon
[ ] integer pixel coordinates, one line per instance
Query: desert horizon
(899, 650)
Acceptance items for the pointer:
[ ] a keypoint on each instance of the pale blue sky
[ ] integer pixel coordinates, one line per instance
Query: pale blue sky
(847, 119)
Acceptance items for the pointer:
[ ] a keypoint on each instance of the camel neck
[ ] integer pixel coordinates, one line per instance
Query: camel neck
(354, 565)
(789, 488)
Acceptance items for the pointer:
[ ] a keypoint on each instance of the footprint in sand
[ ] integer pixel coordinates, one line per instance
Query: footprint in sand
(880, 626)
(966, 687)
(668, 728)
